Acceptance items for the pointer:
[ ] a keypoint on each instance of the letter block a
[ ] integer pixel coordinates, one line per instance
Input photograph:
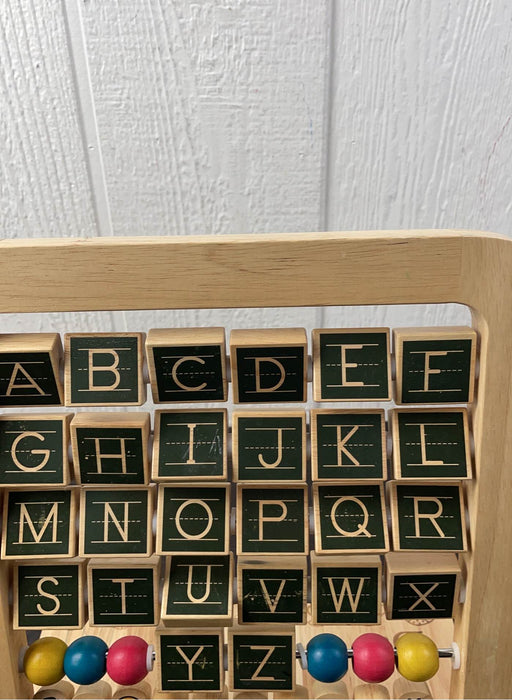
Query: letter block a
(198, 590)
(34, 449)
(187, 364)
(190, 660)
(345, 590)
(269, 365)
(261, 660)
(48, 594)
(103, 369)
(30, 369)
(111, 448)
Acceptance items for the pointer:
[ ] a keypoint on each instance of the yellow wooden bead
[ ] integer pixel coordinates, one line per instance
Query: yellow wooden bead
(43, 663)
(418, 659)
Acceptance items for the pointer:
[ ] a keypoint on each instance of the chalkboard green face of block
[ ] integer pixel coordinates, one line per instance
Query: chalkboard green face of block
(272, 593)
(272, 520)
(346, 595)
(435, 366)
(190, 373)
(423, 596)
(29, 369)
(351, 364)
(103, 369)
(190, 445)
(110, 455)
(116, 522)
(350, 518)
(198, 590)
(193, 519)
(49, 595)
(348, 444)
(428, 517)
(431, 444)
(191, 660)
(38, 523)
(34, 450)
(269, 446)
(261, 661)
(123, 595)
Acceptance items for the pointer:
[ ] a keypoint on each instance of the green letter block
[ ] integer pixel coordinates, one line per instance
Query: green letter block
(261, 660)
(191, 660)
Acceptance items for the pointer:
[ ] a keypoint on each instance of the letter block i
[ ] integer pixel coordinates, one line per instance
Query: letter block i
(351, 364)
(345, 590)
(435, 365)
(259, 660)
(104, 369)
(193, 519)
(428, 516)
(30, 369)
(269, 365)
(49, 594)
(38, 523)
(111, 448)
(269, 446)
(421, 585)
(431, 443)
(187, 364)
(123, 592)
(190, 444)
(272, 519)
(116, 522)
(272, 591)
(34, 449)
(191, 660)
(198, 590)
(350, 518)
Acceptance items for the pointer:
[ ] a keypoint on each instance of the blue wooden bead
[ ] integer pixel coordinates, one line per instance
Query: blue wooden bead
(327, 658)
(85, 661)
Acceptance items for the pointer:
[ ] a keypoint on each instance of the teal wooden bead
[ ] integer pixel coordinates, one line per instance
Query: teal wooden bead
(327, 658)
(85, 661)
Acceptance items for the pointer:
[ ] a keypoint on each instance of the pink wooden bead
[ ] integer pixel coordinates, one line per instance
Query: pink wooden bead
(127, 660)
(374, 658)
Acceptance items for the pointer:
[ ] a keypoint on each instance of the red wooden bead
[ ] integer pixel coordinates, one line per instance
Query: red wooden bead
(127, 660)
(373, 658)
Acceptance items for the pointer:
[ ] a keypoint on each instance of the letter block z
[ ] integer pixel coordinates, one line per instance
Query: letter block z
(269, 365)
(261, 660)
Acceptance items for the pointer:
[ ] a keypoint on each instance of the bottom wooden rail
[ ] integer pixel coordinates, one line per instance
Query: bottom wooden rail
(441, 631)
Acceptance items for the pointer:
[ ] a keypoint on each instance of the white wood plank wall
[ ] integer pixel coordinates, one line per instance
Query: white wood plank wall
(156, 117)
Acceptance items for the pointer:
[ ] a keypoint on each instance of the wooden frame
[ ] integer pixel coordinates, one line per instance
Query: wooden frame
(319, 269)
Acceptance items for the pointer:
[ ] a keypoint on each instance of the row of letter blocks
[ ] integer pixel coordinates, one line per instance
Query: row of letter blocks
(267, 446)
(432, 366)
(197, 590)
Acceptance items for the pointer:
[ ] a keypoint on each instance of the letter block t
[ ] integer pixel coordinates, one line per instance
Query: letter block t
(269, 365)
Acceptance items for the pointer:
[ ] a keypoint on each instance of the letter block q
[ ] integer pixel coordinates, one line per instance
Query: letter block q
(351, 364)
(421, 585)
(29, 369)
(111, 448)
(187, 364)
(435, 365)
(269, 365)
(103, 369)
(48, 594)
(34, 449)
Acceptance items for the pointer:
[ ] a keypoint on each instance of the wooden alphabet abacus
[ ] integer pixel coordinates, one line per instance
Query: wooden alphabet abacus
(447, 486)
